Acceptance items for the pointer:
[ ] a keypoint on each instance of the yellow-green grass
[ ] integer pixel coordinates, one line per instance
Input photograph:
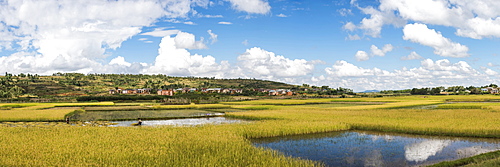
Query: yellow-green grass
(42, 111)
(34, 115)
(456, 122)
(280, 102)
(143, 114)
(95, 146)
(227, 145)
(191, 106)
(488, 106)
(483, 160)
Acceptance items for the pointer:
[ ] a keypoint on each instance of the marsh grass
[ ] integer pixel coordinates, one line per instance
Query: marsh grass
(134, 114)
(482, 160)
(228, 145)
(161, 146)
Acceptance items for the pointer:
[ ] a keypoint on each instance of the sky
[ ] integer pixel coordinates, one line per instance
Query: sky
(356, 44)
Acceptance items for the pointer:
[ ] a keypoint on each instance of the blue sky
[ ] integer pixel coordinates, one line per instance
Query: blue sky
(362, 45)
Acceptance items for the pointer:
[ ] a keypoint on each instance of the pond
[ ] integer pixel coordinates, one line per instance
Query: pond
(362, 148)
(181, 122)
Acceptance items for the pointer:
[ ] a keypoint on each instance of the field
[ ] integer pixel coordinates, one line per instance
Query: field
(228, 144)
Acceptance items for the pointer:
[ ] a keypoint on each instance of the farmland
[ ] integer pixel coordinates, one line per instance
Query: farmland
(228, 144)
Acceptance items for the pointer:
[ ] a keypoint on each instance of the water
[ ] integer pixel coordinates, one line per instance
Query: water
(361, 148)
(181, 122)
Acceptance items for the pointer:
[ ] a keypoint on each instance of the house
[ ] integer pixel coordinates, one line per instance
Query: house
(168, 92)
(273, 93)
(494, 91)
(143, 91)
(129, 91)
(490, 90)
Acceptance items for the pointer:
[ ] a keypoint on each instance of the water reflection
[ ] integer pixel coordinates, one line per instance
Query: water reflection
(361, 148)
(180, 122)
(421, 151)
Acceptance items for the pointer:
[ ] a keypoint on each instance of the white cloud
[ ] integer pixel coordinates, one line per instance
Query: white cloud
(344, 69)
(70, 36)
(471, 18)
(175, 60)
(210, 16)
(282, 15)
(251, 6)
(362, 56)
(349, 26)
(345, 12)
(429, 74)
(189, 23)
(225, 22)
(412, 56)
(419, 33)
(381, 52)
(373, 25)
(353, 37)
(260, 63)
(375, 51)
(213, 36)
(490, 72)
(119, 61)
(160, 32)
(184, 40)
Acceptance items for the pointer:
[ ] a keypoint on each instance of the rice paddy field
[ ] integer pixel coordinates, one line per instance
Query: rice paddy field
(228, 144)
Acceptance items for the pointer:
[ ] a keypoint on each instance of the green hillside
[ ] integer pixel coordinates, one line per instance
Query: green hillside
(74, 84)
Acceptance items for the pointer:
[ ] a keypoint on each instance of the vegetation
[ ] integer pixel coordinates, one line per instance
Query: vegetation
(228, 144)
(68, 86)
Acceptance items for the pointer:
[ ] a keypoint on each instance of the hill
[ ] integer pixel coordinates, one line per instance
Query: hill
(76, 84)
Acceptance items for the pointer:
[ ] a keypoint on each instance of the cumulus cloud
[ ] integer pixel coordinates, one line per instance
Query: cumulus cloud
(474, 19)
(251, 6)
(184, 40)
(71, 36)
(344, 69)
(257, 62)
(176, 60)
(120, 61)
(381, 52)
(349, 26)
(361, 56)
(412, 56)
(375, 51)
(419, 33)
(429, 74)
(490, 72)
(373, 25)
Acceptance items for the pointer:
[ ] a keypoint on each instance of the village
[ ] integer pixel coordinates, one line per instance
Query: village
(171, 92)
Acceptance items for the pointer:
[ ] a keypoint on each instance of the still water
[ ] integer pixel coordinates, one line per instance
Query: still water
(181, 122)
(362, 148)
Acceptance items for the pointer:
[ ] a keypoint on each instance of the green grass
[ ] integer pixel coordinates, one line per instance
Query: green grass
(228, 144)
(483, 160)
(133, 115)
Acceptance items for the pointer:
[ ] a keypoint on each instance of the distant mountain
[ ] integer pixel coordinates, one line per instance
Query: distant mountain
(371, 91)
